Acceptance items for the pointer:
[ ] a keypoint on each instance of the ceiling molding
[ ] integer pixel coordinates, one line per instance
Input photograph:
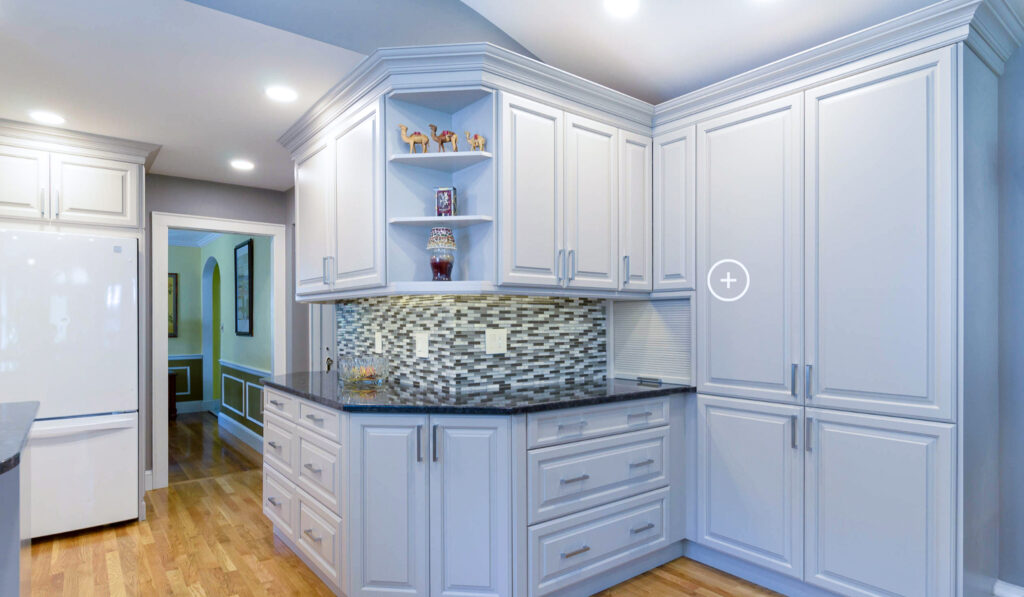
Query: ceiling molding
(55, 139)
(190, 239)
(996, 32)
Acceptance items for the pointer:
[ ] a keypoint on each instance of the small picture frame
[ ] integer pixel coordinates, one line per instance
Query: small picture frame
(243, 289)
(172, 305)
(445, 201)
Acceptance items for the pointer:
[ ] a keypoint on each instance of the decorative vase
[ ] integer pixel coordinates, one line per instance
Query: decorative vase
(442, 253)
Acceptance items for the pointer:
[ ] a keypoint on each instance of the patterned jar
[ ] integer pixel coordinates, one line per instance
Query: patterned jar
(442, 253)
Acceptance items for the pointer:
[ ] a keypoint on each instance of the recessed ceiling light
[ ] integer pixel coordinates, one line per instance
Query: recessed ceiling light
(622, 9)
(242, 165)
(280, 93)
(46, 117)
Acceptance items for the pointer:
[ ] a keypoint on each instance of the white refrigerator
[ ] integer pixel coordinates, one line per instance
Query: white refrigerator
(69, 338)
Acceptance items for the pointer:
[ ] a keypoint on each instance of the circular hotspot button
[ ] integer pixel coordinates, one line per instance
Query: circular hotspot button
(728, 280)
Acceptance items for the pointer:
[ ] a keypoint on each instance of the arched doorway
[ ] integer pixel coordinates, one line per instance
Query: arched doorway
(211, 330)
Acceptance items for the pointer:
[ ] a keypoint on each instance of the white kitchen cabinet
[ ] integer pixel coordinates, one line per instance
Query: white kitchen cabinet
(749, 251)
(880, 499)
(750, 475)
(674, 253)
(635, 205)
(591, 205)
(881, 249)
(532, 206)
(87, 190)
(470, 498)
(314, 211)
(25, 186)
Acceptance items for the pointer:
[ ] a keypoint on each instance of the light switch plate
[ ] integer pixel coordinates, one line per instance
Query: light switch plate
(496, 341)
(422, 344)
(378, 342)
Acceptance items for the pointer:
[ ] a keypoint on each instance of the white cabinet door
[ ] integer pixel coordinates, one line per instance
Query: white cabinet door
(359, 212)
(881, 240)
(314, 186)
(750, 481)
(880, 505)
(89, 190)
(675, 163)
(532, 243)
(591, 204)
(24, 183)
(749, 251)
(635, 205)
(470, 498)
(388, 525)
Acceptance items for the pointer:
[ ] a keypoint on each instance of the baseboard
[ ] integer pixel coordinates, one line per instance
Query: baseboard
(250, 437)
(1005, 589)
(768, 579)
(198, 406)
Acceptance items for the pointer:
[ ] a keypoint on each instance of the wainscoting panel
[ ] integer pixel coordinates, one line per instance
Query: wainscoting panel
(189, 369)
(242, 395)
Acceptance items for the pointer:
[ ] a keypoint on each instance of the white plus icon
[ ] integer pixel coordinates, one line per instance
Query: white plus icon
(728, 279)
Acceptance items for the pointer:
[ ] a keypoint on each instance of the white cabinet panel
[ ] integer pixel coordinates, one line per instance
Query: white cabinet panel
(880, 240)
(880, 505)
(675, 163)
(389, 521)
(359, 212)
(89, 190)
(750, 481)
(591, 206)
(314, 199)
(750, 209)
(24, 183)
(470, 498)
(531, 193)
(635, 205)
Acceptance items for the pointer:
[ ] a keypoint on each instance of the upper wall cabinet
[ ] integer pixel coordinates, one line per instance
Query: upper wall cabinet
(635, 207)
(880, 244)
(25, 191)
(591, 208)
(314, 212)
(675, 163)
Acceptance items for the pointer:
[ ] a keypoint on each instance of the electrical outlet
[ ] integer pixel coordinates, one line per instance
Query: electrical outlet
(378, 342)
(496, 341)
(422, 344)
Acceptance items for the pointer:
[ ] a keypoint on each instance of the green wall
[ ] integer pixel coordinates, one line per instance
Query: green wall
(185, 261)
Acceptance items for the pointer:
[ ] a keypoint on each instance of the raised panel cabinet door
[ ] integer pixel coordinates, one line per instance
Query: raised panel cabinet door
(314, 195)
(591, 204)
(532, 239)
(388, 525)
(24, 183)
(881, 248)
(750, 474)
(470, 498)
(675, 189)
(749, 252)
(636, 202)
(880, 498)
(359, 213)
(87, 190)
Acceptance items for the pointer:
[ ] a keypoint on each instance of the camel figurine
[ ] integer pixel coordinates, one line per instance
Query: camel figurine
(444, 137)
(417, 138)
(476, 142)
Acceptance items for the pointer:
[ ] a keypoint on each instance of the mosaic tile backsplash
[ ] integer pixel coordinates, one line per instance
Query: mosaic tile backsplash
(550, 339)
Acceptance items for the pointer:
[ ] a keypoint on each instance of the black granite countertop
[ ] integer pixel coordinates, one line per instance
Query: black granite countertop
(326, 389)
(15, 421)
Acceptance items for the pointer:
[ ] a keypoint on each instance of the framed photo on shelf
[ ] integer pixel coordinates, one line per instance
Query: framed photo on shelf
(172, 305)
(243, 289)
(444, 201)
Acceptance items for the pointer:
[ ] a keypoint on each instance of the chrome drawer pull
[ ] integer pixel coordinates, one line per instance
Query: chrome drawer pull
(309, 533)
(580, 424)
(277, 403)
(315, 418)
(582, 477)
(576, 552)
(639, 530)
(642, 463)
(274, 445)
(313, 469)
(646, 414)
(273, 502)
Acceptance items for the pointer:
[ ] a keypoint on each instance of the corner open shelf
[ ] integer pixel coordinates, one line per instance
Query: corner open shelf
(449, 221)
(448, 161)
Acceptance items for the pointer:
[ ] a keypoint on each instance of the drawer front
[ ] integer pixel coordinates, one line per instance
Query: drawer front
(561, 426)
(318, 468)
(280, 404)
(279, 502)
(324, 421)
(279, 445)
(571, 549)
(319, 536)
(573, 477)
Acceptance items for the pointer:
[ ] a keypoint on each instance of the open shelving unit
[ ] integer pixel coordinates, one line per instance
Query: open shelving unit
(449, 221)
(448, 161)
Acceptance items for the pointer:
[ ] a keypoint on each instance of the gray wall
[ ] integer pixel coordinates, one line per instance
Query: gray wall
(1011, 320)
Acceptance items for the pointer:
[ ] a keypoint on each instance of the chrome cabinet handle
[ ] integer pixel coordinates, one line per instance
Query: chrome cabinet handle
(315, 418)
(637, 530)
(435, 442)
(277, 403)
(807, 381)
(274, 502)
(560, 265)
(576, 552)
(641, 463)
(313, 469)
(324, 270)
(274, 445)
(646, 414)
(572, 272)
(625, 263)
(579, 479)
(56, 198)
(42, 202)
(419, 443)
(809, 423)
(792, 380)
(792, 430)
(309, 533)
(580, 424)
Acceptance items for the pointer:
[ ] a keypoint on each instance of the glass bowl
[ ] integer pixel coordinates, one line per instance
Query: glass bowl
(362, 372)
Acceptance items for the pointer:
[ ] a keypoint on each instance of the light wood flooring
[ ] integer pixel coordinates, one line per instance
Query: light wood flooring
(206, 535)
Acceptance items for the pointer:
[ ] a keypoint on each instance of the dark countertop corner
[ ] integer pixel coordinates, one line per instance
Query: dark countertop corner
(15, 422)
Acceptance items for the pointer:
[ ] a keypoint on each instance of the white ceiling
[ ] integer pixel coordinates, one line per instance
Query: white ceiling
(168, 72)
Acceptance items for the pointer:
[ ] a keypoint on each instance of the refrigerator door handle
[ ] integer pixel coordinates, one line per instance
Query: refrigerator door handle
(70, 427)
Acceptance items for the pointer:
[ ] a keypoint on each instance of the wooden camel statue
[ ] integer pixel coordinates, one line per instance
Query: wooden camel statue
(417, 138)
(444, 137)
(476, 142)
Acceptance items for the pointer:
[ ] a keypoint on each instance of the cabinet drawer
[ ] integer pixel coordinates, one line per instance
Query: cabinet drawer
(279, 445)
(318, 535)
(573, 477)
(318, 468)
(561, 426)
(325, 421)
(571, 549)
(280, 404)
(279, 502)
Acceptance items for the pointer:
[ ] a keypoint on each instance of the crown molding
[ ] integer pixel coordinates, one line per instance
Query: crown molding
(53, 139)
(996, 32)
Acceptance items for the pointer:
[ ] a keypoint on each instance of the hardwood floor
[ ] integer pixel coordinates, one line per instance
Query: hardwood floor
(196, 449)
